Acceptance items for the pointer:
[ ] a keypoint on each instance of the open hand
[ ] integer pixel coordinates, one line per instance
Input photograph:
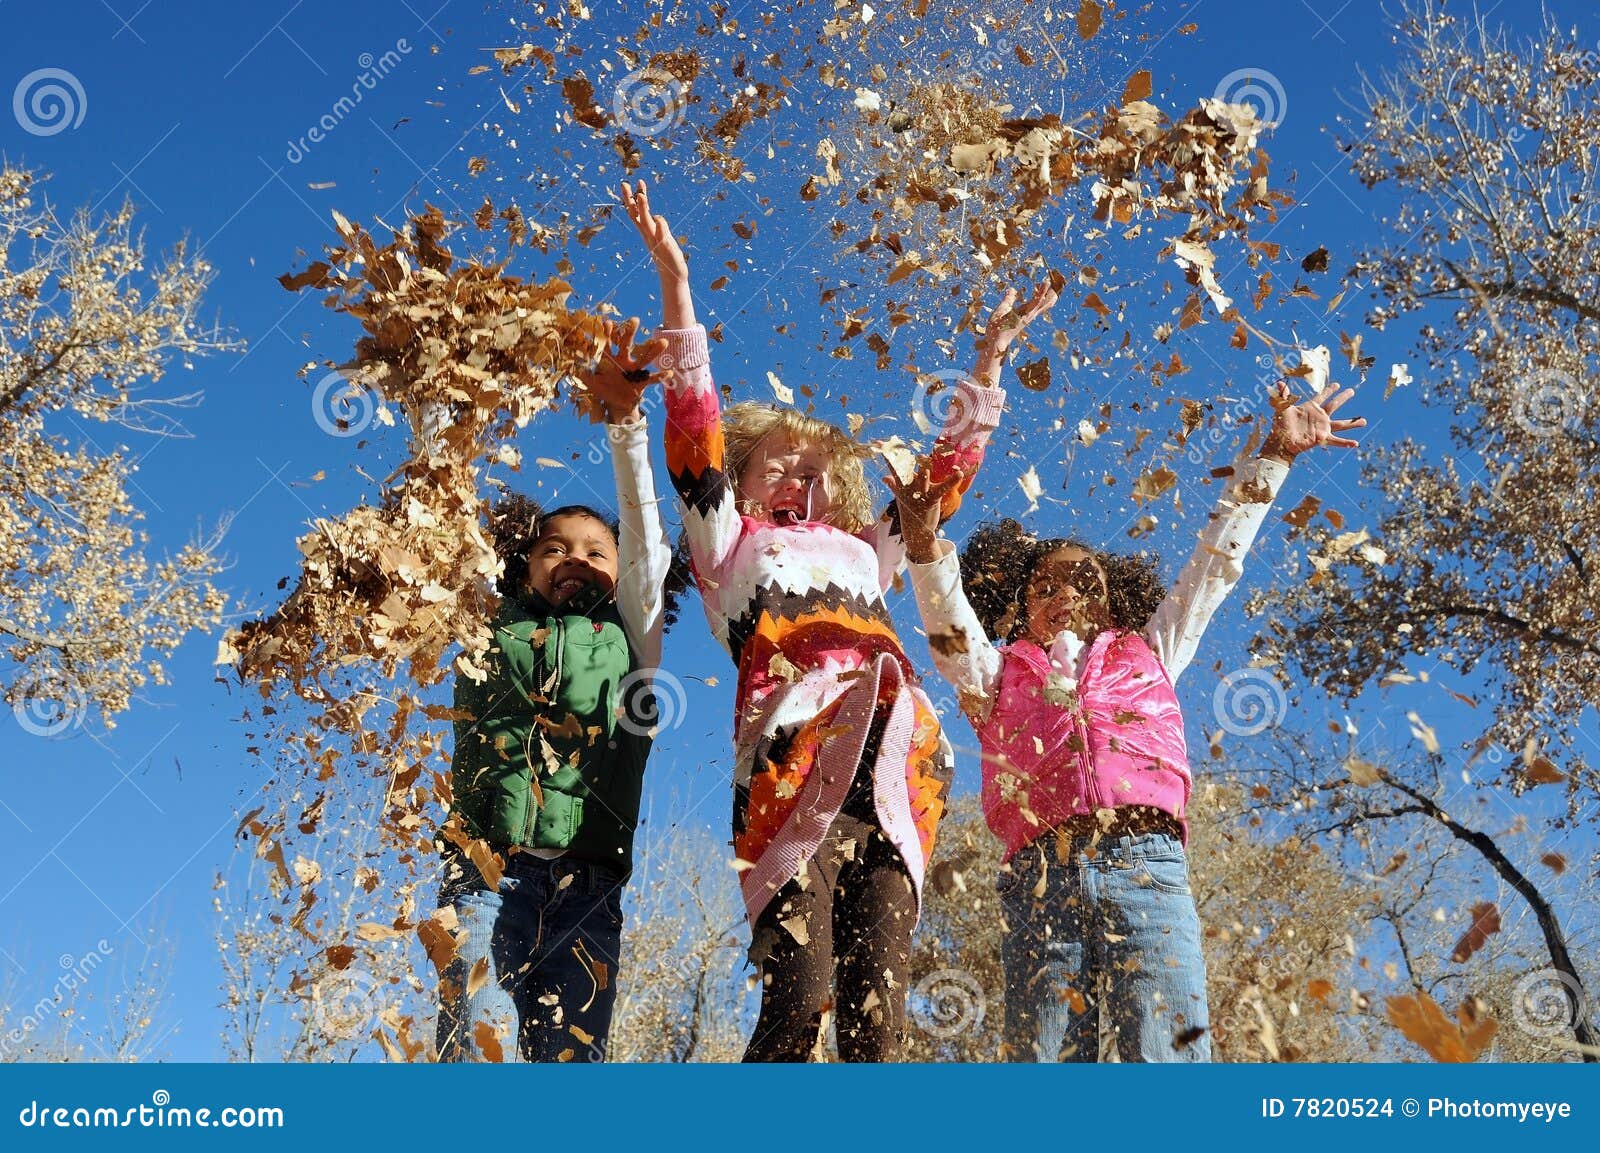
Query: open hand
(613, 388)
(1309, 424)
(920, 501)
(658, 238)
(1005, 325)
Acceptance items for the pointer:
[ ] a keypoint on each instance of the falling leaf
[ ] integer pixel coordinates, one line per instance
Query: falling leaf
(1555, 862)
(1424, 733)
(438, 941)
(1090, 17)
(478, 977)
(1421, 1019)
(1035, 375)
(1031, 488)
(1316, 262)
(1361, 772)
(488, 1042)
(1152, 483)
(783, 392)
(1542, 771)
(1137, 88)
(1485, 923)
(1301, 514)
(796, 928)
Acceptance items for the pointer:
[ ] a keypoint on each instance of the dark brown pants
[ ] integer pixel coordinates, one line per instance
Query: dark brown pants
(845, 922)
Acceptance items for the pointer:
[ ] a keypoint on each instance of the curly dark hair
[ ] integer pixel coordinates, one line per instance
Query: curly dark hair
(1000, 558)
(516, 521)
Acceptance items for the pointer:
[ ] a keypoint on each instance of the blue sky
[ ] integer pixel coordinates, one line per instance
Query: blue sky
(198, 112)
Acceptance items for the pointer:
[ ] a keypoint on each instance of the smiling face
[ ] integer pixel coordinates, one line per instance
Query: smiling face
(574, 552)
(1067, 591)
(787, 482)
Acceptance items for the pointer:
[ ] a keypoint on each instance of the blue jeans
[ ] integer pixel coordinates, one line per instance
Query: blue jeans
(1112, 931)
(535, 973)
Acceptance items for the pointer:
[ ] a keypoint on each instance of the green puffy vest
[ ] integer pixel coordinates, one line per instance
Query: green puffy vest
(553, 755)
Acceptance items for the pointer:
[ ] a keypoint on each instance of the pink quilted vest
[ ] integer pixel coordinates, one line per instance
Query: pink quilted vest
(1122, 744)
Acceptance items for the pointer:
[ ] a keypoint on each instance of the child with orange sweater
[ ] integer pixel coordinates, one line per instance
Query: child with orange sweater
(840, 763)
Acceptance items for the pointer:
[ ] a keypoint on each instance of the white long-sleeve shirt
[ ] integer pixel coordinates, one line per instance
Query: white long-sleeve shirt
(643, 552)
(1173, 632)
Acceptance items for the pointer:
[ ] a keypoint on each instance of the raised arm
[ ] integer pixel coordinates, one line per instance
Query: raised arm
(612, 392)
(973, 416)
(1174, 632)
(962, 651)
(694, 411)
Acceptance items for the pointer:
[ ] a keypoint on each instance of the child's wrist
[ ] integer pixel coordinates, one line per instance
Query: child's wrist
(1273, 448)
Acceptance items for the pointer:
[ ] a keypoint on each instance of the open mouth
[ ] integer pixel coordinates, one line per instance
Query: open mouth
(788, 515)
(564, 590)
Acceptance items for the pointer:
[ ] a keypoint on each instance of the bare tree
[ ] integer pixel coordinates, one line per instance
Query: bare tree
(87, 613)
(682, 993)
(1481, 556)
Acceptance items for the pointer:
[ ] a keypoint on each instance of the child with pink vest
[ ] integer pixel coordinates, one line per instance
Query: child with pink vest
(1066, 658)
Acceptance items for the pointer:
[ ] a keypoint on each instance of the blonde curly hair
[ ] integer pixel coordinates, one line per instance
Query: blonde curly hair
(747, 424)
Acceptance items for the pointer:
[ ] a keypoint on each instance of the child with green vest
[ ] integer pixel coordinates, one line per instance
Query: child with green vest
(550, 752)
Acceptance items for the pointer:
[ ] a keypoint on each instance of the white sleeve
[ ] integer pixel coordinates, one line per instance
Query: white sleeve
(962, 651)
(643, 554)
(1175, 630)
